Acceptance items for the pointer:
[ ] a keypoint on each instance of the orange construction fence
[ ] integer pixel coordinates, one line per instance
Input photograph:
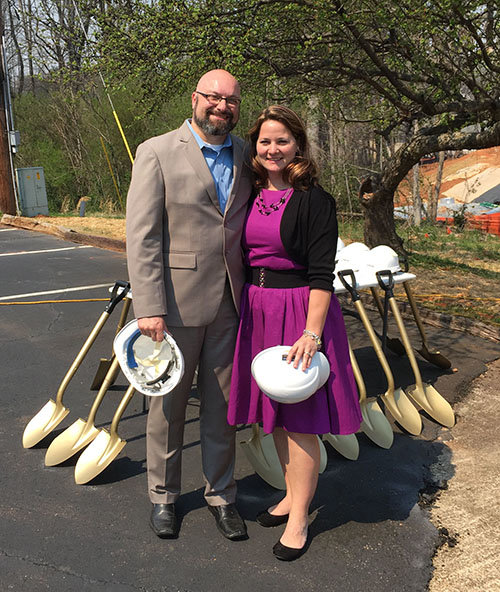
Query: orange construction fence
(489, 223)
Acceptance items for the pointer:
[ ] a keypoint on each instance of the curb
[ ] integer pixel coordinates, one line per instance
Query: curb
(63, 232)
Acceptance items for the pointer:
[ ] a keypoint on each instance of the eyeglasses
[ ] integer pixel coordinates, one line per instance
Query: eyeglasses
(214, 99)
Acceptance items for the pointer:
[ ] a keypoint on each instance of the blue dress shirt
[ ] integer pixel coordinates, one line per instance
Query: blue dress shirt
(219, 159)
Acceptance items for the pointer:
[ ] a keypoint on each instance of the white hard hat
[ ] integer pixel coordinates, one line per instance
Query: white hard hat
(383, 257)
(284, 383)
(357, 262)
(352, 248)
(352, 256)
(152, 368)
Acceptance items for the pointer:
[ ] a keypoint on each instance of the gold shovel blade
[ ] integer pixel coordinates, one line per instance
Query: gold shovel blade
(96, 457)
(262, 455)
(100, 375)
(375, 424)
(346, 445)
(69, 442)
(323, 456)
(49, 416)
(271, 455)
(428, 398)
(401, 408)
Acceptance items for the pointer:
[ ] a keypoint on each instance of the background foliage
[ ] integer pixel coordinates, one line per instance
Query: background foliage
(380, 85)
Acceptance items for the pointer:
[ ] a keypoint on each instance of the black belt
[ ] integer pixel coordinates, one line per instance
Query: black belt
(277, 278)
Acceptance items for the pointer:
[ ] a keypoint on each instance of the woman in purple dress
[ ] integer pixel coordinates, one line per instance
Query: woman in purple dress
(290, 240)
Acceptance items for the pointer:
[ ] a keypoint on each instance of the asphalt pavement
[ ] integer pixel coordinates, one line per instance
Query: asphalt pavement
(369, 529)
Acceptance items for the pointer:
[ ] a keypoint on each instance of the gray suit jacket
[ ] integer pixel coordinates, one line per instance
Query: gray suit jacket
(180, 246)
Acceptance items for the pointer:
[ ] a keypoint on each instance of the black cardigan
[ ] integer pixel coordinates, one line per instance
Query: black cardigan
(309, 234)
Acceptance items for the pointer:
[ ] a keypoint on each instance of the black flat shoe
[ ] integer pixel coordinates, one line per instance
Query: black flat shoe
(268, 520)
(284, 553)
(163, 521)
(229, 522)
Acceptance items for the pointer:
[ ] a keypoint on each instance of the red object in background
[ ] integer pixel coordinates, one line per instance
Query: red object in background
(486, 223)
(493, 224)
(448, 230)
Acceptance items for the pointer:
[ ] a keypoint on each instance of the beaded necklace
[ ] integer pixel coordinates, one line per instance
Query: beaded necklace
(265, 210)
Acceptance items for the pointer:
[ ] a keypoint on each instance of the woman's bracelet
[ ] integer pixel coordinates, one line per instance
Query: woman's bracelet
(313, 336)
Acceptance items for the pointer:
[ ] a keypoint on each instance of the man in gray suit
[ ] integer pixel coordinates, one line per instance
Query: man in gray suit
(185, 212)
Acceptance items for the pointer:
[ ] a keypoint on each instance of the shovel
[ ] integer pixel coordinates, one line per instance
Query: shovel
(262, 454)
(105, 447)
(393, 343)
(81, 432)
(346, 445)
(395, 400)
(105, 363)
(434, 357)
(53, 412)
(374, 424)
(425, 395)
(265, 464)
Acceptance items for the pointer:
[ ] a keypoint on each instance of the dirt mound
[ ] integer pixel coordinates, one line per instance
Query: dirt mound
(464, 178)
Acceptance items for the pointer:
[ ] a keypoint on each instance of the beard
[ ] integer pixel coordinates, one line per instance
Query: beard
(217, 128)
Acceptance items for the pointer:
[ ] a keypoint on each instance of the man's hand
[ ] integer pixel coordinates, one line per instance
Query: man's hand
(153, 327)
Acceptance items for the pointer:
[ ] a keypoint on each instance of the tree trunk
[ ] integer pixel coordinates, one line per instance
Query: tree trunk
(417, 198)
(433, 202)
(331, 149)
(19, 53)
(313, 128)
(379, 227)
(7, 197)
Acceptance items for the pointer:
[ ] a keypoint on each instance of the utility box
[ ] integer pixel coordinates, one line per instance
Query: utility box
(32, 193)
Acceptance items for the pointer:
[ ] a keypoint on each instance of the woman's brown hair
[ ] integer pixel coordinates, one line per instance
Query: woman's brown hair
(302, 171)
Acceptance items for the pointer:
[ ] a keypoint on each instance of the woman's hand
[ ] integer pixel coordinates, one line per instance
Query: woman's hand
(303, 349)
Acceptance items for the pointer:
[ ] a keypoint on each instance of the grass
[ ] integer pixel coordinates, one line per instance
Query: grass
(436, 262)
(457, 272)
(89, 214)
(469, 243)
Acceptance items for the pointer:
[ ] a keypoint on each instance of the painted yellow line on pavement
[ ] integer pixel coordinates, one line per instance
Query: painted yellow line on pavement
(45, 251)
(62, 291)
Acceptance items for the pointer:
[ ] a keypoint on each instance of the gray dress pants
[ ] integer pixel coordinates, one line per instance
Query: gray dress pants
(211, 348)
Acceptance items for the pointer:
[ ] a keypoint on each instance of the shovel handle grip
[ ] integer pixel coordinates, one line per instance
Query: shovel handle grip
(387, 287)
(117, 296)
(349, 286)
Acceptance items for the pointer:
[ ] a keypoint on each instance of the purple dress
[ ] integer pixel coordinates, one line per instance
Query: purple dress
(276, 316)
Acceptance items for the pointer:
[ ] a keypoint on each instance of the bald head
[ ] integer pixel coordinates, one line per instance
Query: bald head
(220, 82)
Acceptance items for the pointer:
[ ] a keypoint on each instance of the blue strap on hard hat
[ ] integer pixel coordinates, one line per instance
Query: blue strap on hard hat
(131, 362)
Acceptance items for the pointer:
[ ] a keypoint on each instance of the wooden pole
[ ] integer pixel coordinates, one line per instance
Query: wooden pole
(7, 196)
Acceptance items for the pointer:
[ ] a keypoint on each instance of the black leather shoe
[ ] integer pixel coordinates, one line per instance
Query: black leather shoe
(229, 522)
(164, 522)
(284, 553)
(268, 520)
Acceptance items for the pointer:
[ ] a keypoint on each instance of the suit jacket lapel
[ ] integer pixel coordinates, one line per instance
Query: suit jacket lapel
(197, 161)
(237, 166)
